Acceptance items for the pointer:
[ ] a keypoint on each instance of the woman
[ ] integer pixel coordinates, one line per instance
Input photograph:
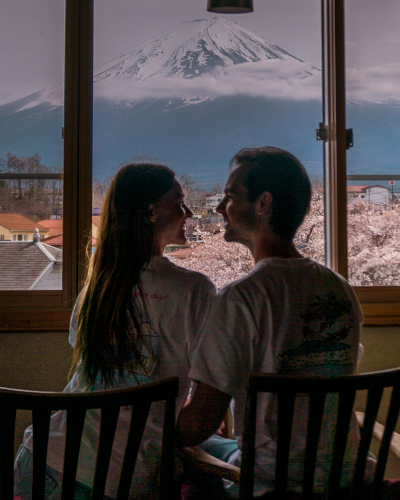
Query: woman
(135, 321)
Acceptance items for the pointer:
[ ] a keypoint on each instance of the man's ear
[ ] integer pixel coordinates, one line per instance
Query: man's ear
(264, 203)
(152, 216)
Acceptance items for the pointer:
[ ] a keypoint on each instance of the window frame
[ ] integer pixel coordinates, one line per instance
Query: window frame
(22, 311)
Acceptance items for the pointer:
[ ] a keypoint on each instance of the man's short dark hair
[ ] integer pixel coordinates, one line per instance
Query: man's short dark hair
(281, 174)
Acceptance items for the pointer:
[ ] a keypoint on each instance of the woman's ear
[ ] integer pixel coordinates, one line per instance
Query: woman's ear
(152, 216)
(264, 203)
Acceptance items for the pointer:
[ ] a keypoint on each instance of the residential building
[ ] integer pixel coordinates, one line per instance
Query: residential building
(378, 195)
(55, 227)
(16, 227)
(214, 200)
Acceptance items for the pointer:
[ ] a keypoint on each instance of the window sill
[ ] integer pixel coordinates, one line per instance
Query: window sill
(380, 304)
(33, 312)
(43, 311)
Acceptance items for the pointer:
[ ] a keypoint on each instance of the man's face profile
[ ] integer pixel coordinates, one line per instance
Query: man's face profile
(238, 212)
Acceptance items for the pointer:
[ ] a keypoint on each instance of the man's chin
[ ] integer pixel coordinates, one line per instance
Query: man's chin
(229, 236)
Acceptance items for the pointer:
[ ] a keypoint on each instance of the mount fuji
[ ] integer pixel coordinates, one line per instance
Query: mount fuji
(192, 98)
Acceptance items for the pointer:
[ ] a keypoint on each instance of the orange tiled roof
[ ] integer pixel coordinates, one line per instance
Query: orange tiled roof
(15, 222)
(356, 189)
(57, 240)
(96, 220)
(54, 240)
(54, 226)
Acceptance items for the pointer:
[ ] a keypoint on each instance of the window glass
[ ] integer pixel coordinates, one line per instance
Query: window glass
(31, 148)
(189, 88)
(373, 111)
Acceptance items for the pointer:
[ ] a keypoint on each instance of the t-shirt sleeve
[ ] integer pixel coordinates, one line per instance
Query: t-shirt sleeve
(224, 352)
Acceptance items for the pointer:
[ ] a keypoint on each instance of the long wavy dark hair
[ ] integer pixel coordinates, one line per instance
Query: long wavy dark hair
(109, 332)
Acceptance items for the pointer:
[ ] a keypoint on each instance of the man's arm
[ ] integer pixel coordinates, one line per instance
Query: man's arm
(202, 416)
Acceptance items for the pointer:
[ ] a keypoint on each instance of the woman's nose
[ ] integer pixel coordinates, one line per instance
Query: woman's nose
(188, 212)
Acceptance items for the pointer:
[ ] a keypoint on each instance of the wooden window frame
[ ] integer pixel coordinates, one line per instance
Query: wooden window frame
(381, 304)
(40, 311)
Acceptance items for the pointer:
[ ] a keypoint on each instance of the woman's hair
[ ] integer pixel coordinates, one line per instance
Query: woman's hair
(109, 331)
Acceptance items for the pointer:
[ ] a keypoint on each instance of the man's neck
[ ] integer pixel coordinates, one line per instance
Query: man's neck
(270, 245)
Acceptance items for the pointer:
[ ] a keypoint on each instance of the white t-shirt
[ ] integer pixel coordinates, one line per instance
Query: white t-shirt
(177, 304)
(286, 316)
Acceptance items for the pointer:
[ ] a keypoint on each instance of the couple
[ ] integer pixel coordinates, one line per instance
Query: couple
(141, 318)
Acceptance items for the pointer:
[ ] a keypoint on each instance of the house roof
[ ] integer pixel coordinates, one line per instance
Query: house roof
(379, 186)
(54, 226)
(15, 222)
(356, 189)
(55, 240)
(96, 220)
(363, 189)
(25, 263)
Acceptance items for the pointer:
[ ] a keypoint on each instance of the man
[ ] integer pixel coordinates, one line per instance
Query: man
(289, 315)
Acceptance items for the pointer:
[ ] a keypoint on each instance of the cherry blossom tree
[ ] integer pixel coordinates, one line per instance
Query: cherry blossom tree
(373, 246)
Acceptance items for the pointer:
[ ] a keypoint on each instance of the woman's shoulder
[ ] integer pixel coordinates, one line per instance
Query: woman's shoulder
(164, 266)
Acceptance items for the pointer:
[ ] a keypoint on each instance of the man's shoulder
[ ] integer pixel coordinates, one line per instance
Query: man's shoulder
(275, 271)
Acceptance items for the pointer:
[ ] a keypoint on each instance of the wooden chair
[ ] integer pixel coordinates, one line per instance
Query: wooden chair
(75, 404)
(286, 389)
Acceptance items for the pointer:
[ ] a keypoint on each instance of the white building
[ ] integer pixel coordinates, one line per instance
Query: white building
(214, 200)
(378, 195)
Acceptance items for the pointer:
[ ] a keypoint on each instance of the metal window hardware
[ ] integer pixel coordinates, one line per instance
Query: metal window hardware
(349, 138)
(322, 132)
(62, 132)
(322, 135)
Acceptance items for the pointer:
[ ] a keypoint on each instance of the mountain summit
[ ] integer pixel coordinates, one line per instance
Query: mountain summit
(196, 61)
(192, 49)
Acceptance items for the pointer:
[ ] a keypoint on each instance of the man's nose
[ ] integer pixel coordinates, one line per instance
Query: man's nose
(221, 207)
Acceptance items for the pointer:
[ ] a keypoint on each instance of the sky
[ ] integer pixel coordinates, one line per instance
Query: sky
(32, 37)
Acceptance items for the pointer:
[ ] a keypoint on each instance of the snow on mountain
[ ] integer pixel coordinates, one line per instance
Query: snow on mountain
(193, 48)
(197, 61)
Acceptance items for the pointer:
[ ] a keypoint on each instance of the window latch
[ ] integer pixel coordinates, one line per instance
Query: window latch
(349, 138)
(322, 132)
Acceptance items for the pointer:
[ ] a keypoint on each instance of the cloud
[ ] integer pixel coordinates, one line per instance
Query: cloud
(378, 83)
(280, 79)
(285, 79)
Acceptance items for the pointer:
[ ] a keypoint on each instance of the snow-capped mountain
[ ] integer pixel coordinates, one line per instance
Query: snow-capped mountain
(193, 48)
(192, 98)
(196, 60)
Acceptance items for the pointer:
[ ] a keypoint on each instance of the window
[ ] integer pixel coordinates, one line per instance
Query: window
(14, 237)
(31, 146)
(189, 88)
(51, 309)
(373, 110)
(1, 237)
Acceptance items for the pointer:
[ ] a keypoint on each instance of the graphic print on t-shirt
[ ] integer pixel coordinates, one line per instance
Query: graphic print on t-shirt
(148, 367)
(326, 322)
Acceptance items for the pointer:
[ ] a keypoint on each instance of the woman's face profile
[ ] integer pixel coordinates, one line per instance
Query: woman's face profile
(170, 214)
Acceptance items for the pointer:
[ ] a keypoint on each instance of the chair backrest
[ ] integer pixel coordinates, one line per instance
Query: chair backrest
(287, 388)
(109, 402)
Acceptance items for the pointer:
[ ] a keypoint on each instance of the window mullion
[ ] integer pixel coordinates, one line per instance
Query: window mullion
(333, 59)
(77, 143)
